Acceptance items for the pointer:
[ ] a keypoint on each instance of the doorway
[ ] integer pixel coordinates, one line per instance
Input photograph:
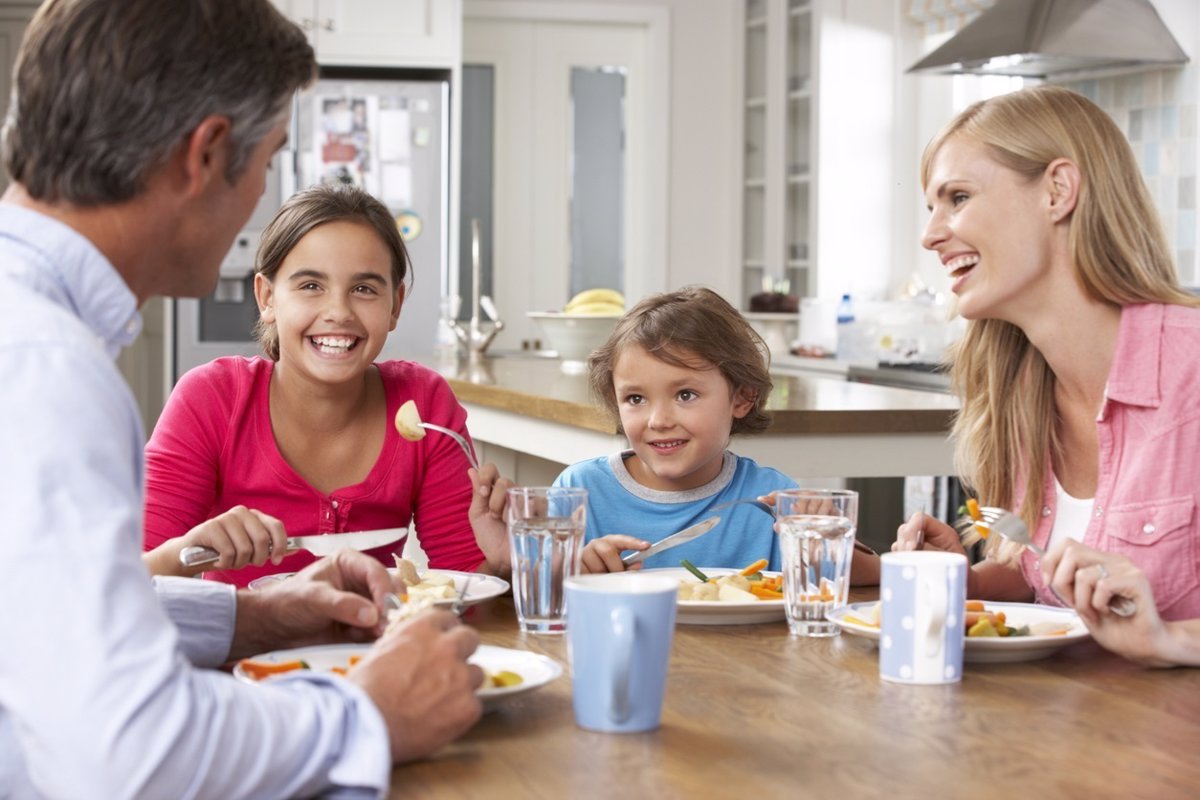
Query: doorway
(564, 152)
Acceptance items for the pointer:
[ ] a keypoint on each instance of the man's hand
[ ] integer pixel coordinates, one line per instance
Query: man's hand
(337, 599)
(420, 680)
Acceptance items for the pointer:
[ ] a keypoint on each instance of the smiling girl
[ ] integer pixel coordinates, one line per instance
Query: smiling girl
(682, 372)
(250, 450)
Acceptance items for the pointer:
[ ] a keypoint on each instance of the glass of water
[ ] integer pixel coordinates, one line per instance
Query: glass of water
(816, 532)
(545, 534)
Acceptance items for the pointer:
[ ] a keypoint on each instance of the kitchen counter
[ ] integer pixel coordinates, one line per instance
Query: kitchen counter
(823, 427)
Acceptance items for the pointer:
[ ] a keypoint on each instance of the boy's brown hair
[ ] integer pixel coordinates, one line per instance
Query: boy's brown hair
(693, 328)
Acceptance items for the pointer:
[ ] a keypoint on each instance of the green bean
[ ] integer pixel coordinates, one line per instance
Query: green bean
(692, 569)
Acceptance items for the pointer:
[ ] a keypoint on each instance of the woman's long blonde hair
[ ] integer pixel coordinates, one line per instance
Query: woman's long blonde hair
(1006, 426)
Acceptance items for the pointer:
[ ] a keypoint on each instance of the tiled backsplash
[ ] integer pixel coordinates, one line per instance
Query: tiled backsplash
(1157, 111)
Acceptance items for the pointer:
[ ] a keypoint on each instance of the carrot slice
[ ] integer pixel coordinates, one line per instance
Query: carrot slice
(263, 669)
(973, 509)
(753, 568)
(974, 605)
(765, 593)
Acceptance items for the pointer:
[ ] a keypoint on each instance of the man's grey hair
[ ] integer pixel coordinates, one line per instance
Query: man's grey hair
(104, 91)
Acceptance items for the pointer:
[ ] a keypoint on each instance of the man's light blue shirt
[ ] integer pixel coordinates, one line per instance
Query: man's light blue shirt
(619, 504)
(104, 690)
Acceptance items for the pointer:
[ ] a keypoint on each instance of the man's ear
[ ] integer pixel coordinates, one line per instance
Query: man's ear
(1063, 179)
(743, 401)
(205, 153)
(264, 295)
(397, 302)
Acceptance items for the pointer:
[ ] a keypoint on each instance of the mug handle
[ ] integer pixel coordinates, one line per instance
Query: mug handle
(621, 619)
(937, 594)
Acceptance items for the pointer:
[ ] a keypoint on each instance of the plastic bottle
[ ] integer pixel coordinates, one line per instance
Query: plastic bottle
(845, 310)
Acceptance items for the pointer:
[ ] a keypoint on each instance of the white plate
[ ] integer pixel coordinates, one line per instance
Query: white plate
(993, 649)
(536, 670)
(484, 587)
(715, 612)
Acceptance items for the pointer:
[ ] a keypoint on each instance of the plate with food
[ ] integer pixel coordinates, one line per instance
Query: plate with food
(507, 672)
(721, 596)
(996, 632)
(442, 586)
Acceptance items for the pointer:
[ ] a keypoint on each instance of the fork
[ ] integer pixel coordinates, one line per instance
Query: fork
(1013, 528)
(460, 602)
(456, 436)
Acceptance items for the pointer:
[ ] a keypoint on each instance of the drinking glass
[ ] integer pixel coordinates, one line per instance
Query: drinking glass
(816, 532)
(545, 534)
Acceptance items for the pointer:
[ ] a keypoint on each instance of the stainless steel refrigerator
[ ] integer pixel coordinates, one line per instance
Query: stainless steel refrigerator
(386, 130)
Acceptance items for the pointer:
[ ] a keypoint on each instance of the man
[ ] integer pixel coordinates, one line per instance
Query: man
(138, 142)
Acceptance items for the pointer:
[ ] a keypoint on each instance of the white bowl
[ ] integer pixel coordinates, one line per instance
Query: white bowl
(574, 336)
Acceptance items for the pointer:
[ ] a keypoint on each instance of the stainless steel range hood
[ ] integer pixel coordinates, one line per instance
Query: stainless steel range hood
(1058, 39)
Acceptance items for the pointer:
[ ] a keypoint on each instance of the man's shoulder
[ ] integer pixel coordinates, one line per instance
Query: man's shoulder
(29, 317)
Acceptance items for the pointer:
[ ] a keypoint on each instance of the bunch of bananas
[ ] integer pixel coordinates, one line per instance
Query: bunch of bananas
(597, 302)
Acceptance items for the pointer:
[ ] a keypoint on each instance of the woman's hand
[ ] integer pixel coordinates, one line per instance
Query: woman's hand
(604, 554)
(923, 532)
(1091, 578)
(240, 536)
(489, 500)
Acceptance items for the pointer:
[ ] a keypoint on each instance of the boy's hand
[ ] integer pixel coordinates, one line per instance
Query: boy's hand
(604, 554)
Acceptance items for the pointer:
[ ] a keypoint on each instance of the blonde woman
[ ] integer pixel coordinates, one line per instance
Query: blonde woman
(1080, 368)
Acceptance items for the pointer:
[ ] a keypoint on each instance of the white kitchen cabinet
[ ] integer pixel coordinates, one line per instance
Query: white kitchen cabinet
(819, 80)
(379, 33)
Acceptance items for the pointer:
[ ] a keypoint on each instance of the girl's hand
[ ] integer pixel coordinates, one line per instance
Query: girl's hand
(604, 554)
(1092, 578)
(240, 536)
(489, 500)
(923, 532)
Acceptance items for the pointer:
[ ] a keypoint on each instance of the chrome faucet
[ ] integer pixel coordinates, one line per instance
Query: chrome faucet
(475, 336)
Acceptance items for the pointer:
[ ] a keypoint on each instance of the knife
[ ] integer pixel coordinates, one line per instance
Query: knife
(322, 544)
(684, 536)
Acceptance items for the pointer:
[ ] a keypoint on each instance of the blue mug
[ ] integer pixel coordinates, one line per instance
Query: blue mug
(923, 597)
(619, 631)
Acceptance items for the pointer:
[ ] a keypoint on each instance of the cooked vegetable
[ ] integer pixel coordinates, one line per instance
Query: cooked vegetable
(753, 568)
(502, 679)
(265, 669)
(973, 509)
(692, 569)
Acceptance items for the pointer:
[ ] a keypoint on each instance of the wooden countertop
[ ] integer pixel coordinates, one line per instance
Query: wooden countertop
(751, 711)
(537, 388)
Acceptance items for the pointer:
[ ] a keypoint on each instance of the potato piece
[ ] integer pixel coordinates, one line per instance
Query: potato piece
(728, 593)
(736, 581)
(437, 591)
(437, 578)
(408, 422)
(406, 571)
(707, 592)
(685, 590)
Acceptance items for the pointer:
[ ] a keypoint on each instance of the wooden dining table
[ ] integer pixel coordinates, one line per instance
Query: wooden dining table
(752, 711)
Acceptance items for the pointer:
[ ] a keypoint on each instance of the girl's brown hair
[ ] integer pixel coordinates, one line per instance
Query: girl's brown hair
(693, 328)
(309, 209)
(1006, 427)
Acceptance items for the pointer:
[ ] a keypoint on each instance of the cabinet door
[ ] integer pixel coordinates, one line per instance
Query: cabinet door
(389, 32)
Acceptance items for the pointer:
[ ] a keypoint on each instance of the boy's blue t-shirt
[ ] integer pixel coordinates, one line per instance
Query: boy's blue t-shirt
(619, 504)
